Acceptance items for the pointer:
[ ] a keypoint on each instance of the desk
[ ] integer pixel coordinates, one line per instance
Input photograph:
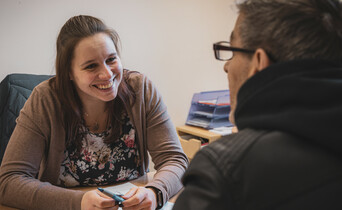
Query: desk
(141, 181)
(189, 137)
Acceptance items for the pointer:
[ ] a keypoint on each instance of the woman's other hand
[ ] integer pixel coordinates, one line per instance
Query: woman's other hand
(235, 129)
(92, 200)
(140, 198)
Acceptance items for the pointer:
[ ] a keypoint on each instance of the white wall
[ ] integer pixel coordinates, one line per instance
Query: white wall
(168, 40)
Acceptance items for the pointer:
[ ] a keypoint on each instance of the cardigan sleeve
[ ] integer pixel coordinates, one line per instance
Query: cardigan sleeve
(26, 159)
(162, 143)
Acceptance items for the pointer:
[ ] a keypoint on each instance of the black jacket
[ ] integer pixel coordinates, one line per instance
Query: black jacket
(287, 153)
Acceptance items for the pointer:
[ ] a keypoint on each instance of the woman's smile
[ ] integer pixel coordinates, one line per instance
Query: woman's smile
(105, 86)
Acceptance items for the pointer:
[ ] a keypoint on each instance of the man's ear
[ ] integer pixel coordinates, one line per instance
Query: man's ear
(259, 62)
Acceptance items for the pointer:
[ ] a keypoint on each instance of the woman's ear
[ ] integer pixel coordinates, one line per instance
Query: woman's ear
(259, 62)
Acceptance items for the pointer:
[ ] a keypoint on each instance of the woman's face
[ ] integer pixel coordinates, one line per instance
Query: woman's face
(96, 69)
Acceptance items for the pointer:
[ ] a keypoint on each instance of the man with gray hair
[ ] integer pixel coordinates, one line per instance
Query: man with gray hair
(284, 65)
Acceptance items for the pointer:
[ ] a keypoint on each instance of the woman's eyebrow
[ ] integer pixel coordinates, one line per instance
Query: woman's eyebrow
(87, 62)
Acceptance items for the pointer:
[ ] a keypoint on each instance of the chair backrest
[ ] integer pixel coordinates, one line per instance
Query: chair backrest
(14, 91)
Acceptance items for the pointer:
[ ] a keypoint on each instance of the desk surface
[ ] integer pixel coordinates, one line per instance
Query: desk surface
(141, 181)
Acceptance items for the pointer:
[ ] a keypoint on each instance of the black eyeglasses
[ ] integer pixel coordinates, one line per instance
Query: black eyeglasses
(224, 52)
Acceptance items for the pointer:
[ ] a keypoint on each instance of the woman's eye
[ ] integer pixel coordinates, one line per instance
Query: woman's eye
(91, 66)
(112, 59)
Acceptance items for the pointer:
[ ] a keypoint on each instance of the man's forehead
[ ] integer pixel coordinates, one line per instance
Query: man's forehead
(235, 33)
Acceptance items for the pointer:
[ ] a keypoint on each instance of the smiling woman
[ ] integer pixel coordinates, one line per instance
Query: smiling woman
(93, 124)
(96, 70)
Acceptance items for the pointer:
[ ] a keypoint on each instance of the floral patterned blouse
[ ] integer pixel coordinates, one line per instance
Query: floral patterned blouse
(99, 163)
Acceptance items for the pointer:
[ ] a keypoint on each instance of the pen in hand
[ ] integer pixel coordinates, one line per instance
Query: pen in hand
(118, 199)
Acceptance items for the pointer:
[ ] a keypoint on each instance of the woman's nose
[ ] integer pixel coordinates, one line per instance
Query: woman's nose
(106, 72)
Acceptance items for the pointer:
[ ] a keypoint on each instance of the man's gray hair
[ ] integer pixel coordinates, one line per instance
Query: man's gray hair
(293, 29)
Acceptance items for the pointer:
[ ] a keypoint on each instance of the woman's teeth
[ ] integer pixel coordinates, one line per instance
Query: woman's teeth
(105, 86)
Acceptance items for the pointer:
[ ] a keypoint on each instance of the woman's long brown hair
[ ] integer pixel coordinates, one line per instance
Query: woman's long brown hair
(73, 31)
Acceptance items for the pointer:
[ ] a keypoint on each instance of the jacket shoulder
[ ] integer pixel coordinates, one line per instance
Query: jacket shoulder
(229, 150)
(134, 78)
(41, 108)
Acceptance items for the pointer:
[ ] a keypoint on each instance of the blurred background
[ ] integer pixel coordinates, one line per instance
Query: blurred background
(170, 41)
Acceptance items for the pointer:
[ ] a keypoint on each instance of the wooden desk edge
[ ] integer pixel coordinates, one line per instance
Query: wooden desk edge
(197, 131)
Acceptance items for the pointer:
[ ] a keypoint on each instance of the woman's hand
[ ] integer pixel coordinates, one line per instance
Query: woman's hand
(140, 198)
(235, 129)
(96, 200)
